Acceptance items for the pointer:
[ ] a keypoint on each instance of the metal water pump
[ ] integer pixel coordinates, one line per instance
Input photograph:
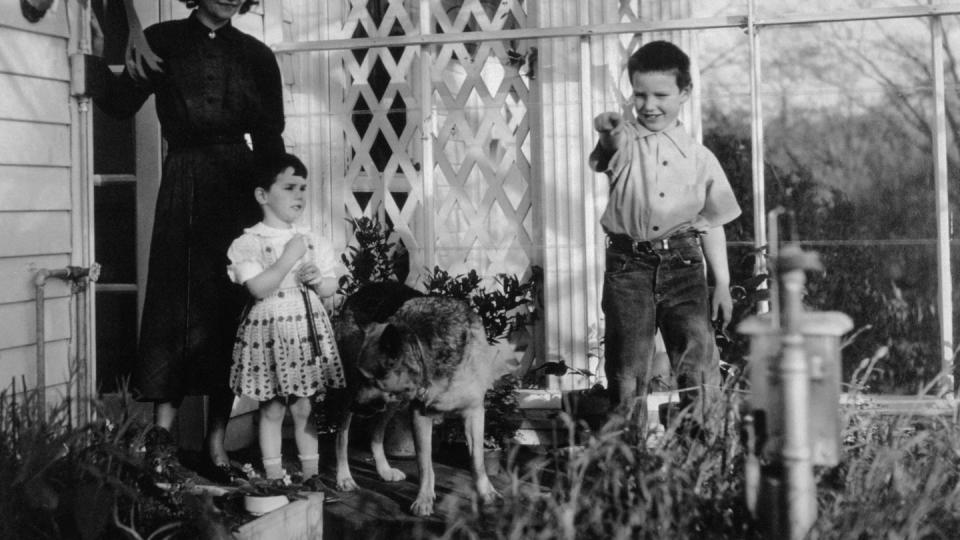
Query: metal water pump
(793, 421)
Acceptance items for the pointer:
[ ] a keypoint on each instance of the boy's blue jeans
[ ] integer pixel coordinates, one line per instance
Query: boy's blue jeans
(647, 289)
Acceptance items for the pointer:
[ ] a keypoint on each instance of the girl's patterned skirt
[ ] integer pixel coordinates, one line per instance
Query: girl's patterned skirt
(274, 355)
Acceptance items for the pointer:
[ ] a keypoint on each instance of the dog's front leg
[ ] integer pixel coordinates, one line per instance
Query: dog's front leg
(473, 428)
(386, 472)
(345, 480)
(422, 438)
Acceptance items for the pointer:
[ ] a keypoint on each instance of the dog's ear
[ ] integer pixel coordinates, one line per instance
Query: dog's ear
(391, 342)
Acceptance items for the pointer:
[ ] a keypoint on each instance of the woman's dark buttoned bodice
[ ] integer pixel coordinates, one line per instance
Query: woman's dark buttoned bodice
(220, 86)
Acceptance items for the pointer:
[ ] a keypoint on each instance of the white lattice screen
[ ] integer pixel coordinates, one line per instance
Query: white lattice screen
(482, 145)
(472, 208)
(380, 113)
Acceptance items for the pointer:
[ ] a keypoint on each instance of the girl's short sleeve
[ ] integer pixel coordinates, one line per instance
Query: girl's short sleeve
(324, 256)
(244, 255)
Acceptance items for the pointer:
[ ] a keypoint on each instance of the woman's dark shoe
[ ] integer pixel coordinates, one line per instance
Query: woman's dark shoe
(220, 473)
(159, 441)
(161, 450)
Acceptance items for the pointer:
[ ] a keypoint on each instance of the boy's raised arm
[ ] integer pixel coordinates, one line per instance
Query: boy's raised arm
(609, 126)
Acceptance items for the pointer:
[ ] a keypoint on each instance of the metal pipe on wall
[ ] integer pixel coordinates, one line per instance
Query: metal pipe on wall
(75, 275)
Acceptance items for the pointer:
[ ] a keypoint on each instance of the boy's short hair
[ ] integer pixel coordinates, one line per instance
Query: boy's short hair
(271, 167)
(247, 4)
(661, 56)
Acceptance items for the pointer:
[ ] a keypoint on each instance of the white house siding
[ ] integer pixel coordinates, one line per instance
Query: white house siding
(38, 191)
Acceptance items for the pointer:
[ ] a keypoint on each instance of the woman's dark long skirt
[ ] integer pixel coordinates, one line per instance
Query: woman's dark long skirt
(191, 309)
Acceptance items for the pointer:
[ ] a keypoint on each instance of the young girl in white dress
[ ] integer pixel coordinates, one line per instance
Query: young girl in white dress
(275, 360)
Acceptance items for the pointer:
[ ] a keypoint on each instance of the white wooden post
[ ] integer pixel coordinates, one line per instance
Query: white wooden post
(427, 130)
(756, 146)
(314, 85)
(944, 278)
(561, 171)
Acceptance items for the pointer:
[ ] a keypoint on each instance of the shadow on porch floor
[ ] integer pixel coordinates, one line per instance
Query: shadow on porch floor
(378, 509)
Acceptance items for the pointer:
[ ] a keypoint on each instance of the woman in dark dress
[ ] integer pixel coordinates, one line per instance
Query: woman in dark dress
(216, 87)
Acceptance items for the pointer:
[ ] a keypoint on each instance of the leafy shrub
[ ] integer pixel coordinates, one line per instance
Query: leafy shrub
(375, 258)
(889, 292)
(507, 307)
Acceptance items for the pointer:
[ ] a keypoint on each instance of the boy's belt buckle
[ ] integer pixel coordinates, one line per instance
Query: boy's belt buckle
(664, 243)
(640, 247)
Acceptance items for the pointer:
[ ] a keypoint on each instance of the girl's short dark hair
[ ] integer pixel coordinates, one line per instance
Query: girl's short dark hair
(661, 56)
(247, 4)
(272, 166)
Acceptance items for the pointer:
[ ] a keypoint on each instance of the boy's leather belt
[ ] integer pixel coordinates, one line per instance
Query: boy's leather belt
(625, 244)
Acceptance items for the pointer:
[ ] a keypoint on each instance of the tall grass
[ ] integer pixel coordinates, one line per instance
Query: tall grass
(620, 484)
(61, 480)
(898, 478)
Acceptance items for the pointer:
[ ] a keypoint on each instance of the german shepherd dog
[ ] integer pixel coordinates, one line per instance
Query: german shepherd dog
(426, 354)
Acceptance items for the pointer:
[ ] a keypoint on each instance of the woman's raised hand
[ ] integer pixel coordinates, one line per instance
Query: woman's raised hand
(138, 51)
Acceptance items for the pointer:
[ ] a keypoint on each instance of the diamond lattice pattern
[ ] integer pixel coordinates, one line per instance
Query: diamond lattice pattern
(480, 210)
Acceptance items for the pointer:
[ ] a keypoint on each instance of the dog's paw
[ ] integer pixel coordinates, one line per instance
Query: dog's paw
(346, 483)
(423, 505)
(487, 493)
(489, 497)
(390, 474)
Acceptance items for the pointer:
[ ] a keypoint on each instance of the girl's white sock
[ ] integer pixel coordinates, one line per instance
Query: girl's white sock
(309, 464)
(273, 468)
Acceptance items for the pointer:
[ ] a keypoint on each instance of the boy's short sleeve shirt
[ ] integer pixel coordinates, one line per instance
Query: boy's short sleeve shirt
(663, 182)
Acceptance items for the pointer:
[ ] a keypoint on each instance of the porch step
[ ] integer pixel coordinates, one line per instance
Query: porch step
(896, 405)
(298, 520)
(541, 421)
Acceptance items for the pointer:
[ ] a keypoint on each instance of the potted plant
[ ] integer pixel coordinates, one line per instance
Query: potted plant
(262, 495)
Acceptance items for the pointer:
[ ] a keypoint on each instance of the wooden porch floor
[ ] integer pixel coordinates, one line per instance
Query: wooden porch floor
(381, 510)
(378, 509)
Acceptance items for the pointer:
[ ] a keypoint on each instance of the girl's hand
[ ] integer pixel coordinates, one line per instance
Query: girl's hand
(308, 273)
(295, 248)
